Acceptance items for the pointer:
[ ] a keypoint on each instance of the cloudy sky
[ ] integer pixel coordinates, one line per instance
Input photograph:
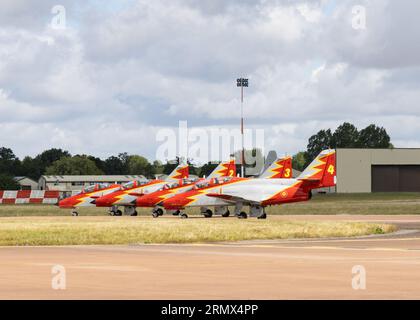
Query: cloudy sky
(122, 70)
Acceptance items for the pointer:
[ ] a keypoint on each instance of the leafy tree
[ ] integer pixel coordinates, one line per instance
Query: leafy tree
(48, 157)
(9, 163)
(150, 171)
(31, 167)
(299, 161)
(73, 166)
(99, 162)
(117, 165)
(124, 157)
(137, 165)
(157, 167)
(345, 136)
(374, 137)
(113, 166)
(8, 183)
(318, 142)
(193, 169)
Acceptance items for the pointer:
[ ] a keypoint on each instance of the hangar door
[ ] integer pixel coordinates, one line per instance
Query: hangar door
(396, 178)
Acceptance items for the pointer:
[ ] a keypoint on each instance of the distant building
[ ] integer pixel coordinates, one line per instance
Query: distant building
(70, 184)
(26, 183)
(162, 176)
(378, 170)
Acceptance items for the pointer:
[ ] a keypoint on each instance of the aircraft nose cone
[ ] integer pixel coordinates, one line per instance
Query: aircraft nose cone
(62, 203)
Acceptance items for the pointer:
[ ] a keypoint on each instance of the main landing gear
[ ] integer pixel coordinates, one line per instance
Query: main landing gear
(218, 211)
(130, 211)
(156, 213)
(256, 211)
(74, 213)
(222, 211)
(206, 212)
(242, 215)
(115, 212)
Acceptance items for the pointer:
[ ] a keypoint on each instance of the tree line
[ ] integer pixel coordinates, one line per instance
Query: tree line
(345, 136)
(61, 162)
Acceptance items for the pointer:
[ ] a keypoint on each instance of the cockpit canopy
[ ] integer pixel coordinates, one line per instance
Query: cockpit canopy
(180, 183)
(212, 182)
(133, 184)
(95, 187)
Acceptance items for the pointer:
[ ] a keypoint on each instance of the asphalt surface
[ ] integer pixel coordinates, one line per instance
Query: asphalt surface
(292, 269)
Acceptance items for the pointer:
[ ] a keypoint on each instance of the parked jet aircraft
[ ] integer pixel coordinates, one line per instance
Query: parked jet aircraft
(281, 168)
(258, 193)
(153, 200)
(127, 194)
(87, 197)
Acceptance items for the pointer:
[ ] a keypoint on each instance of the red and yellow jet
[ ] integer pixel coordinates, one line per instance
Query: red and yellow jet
(225, 173)
(87, 197)
(153, 200)
(258, 193)
(127, 194)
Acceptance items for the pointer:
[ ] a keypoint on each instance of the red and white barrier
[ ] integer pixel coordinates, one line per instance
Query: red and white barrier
(29, 196)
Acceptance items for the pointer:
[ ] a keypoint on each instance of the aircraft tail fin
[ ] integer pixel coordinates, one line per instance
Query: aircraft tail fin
(322, 172)
(180, 172)
(224, 169)
(279, 169)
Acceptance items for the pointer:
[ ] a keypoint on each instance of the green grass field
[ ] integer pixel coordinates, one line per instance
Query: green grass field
(41, 231)
(381, 203)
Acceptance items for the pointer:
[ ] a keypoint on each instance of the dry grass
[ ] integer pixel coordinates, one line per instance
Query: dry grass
(364, 204)
(35, 231)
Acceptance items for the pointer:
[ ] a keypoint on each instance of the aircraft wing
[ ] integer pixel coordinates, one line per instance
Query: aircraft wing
(233, 199)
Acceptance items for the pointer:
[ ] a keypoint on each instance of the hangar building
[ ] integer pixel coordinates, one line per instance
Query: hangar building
(378, 170)
(77, 183)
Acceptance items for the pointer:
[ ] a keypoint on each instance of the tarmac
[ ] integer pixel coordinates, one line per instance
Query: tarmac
(284, 269)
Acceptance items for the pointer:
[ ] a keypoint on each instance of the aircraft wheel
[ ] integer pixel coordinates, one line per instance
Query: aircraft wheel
(176, 213)
(226, 214)
(118, 213)
(75, 214)
(159, 212)
(243, 215)
(263, 217)
(208, 214)
(135, 214)
(155, 215)
(184, 216)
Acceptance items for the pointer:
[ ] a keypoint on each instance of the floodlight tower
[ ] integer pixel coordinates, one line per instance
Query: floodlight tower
(242, 83)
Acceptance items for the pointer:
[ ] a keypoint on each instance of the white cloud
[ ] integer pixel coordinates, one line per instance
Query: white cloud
(117, 73)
